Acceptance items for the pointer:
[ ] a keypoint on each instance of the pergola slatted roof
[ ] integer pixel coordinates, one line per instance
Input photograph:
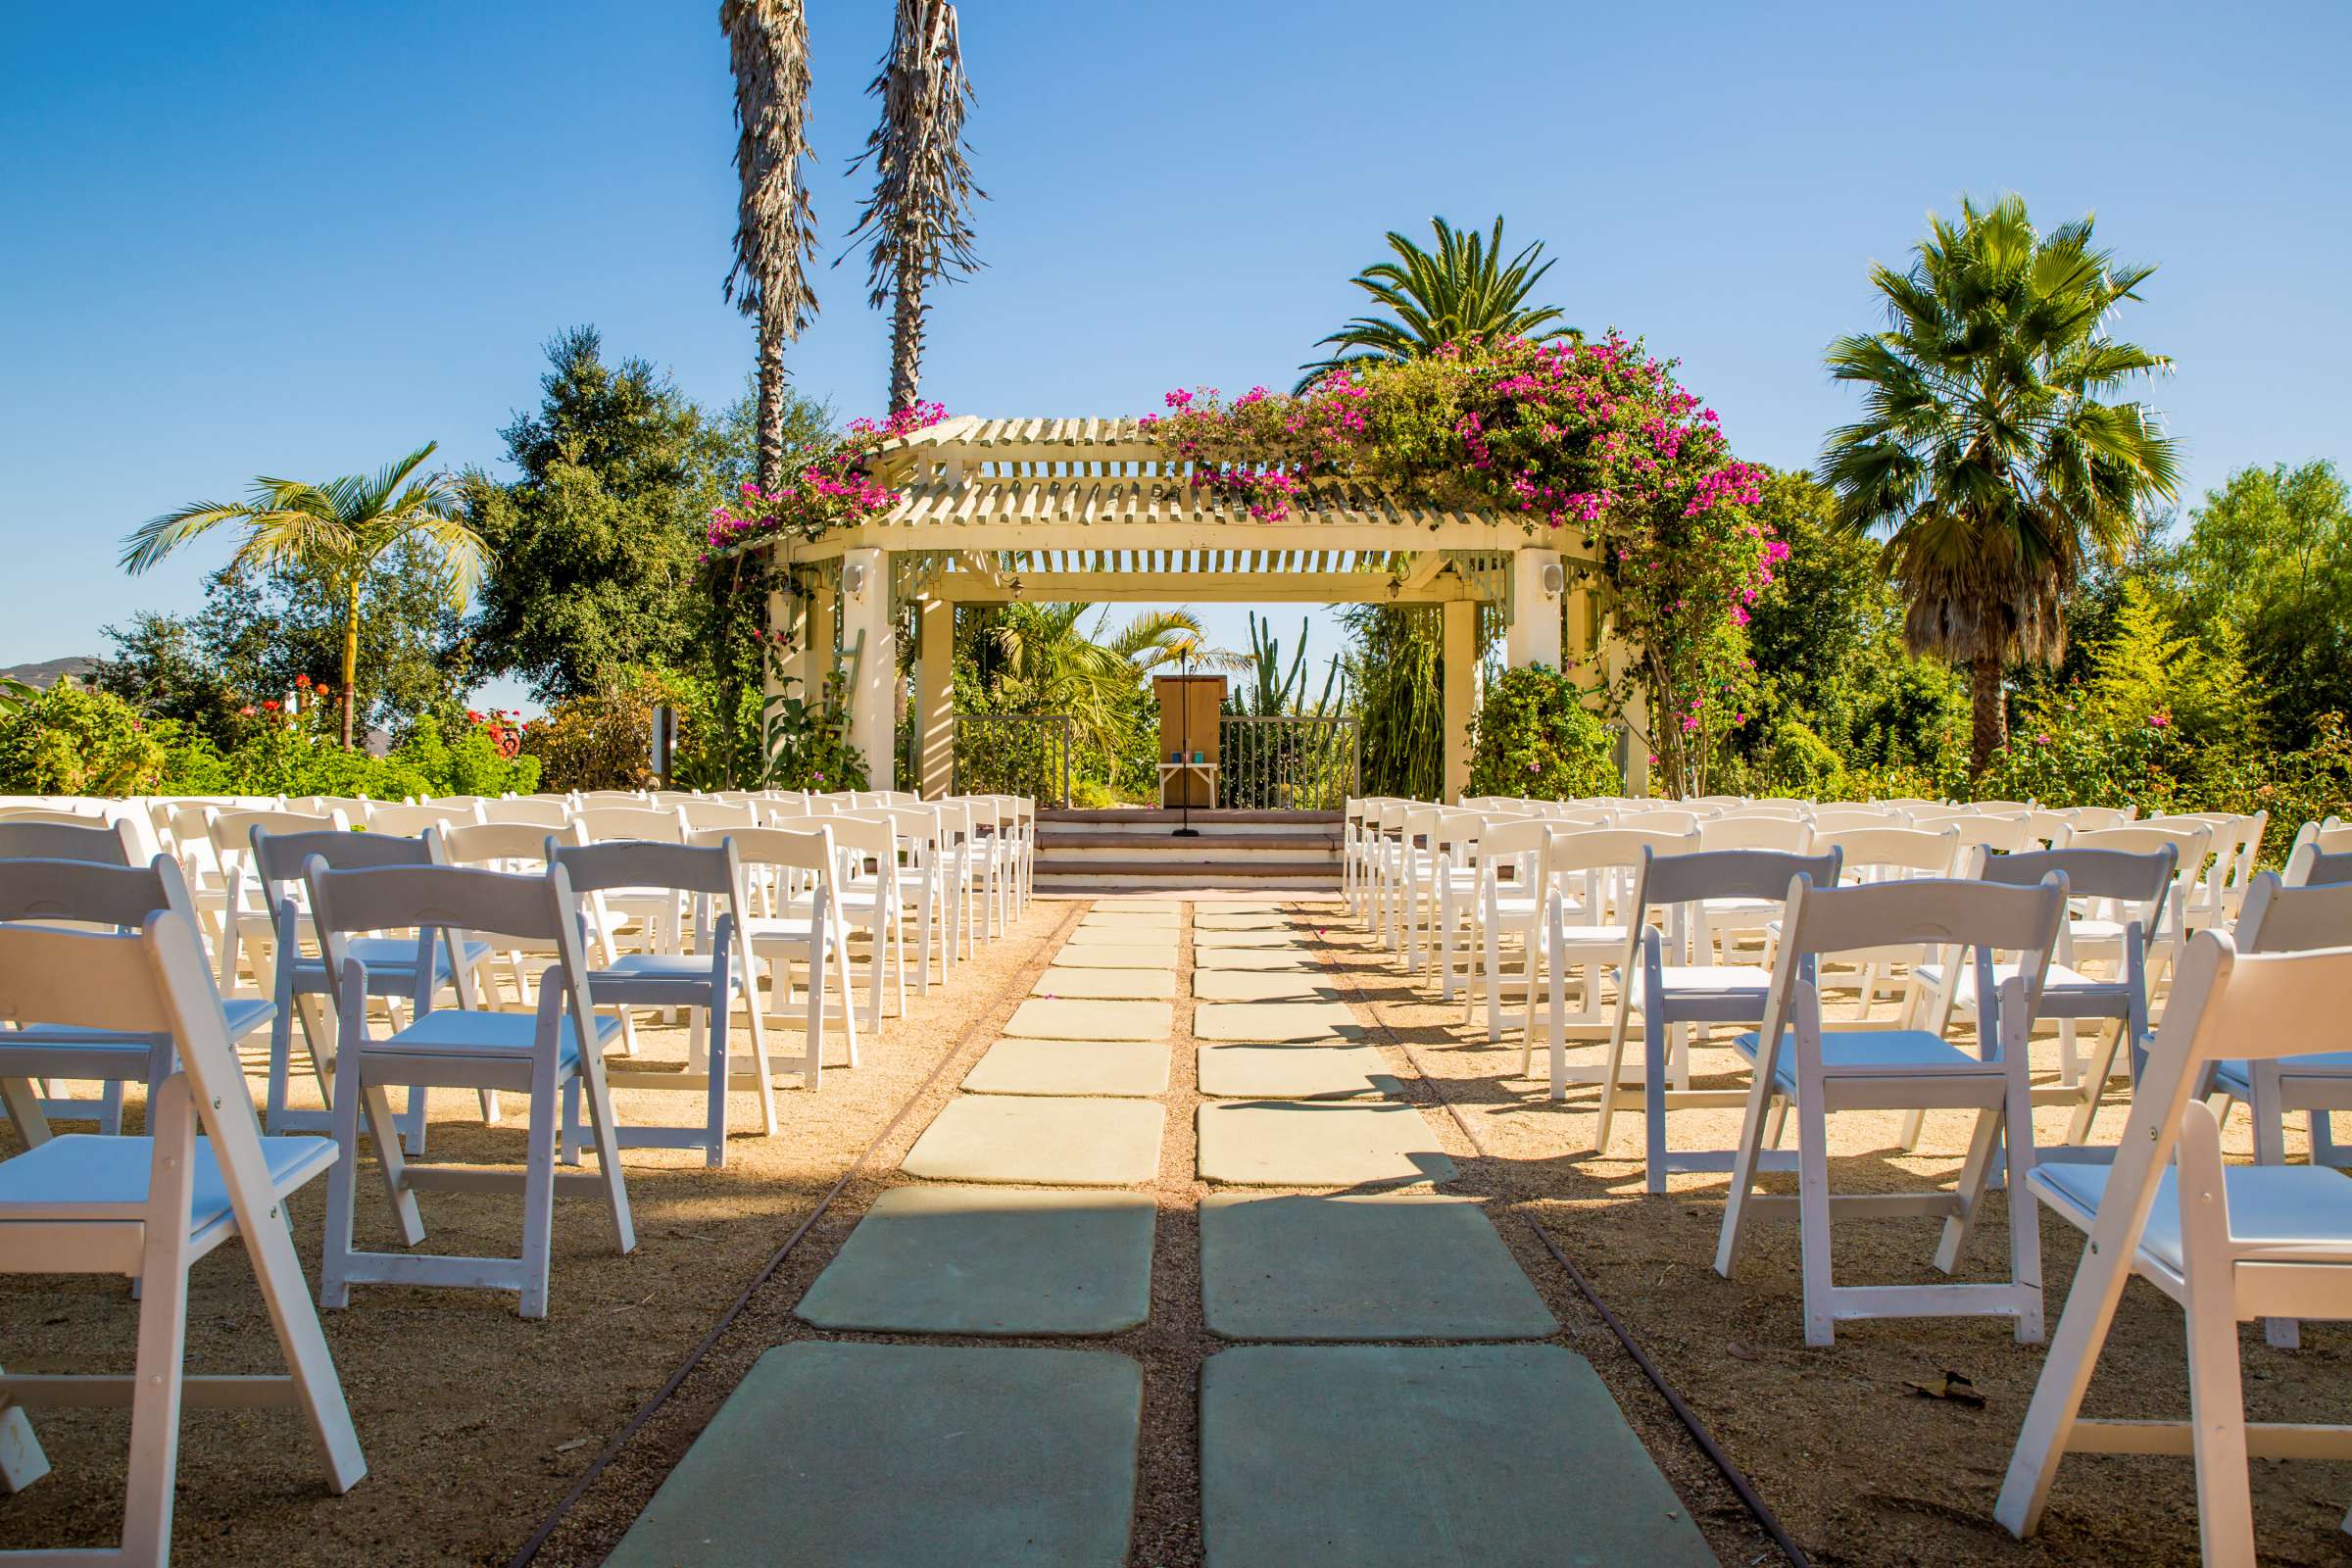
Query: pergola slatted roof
(1092, 509)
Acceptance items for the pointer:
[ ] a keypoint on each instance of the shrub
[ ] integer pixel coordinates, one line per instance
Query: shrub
(602, 739)
(72, 741)
(1534, 736)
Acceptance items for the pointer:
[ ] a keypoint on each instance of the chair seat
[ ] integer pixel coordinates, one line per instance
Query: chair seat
(1718, 908)
(681, 968)
(87, 1176)
(2275, 1211)
(1865, 1050)
(773, 928)
(2057, 980)
(463, 1031)
(390, 959)
(1707, 979)
(2239, 1078)
(1613, 937)
(244, 1014)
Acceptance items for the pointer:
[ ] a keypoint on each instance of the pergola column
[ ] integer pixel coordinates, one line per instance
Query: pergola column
(935, 696)
(811, 658)
(1536, 580)
(868, 627)
(1460, 654)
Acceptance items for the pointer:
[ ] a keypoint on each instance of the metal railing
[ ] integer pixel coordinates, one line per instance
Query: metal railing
(1014, 753)
(1287, 763)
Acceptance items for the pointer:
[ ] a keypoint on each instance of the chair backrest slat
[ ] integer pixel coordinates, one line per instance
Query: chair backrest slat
(104, 844)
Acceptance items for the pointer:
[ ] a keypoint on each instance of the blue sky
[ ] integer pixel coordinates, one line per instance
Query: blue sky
(301, 238)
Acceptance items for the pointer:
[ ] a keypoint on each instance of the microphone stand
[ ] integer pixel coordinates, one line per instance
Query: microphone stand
(1184, 742)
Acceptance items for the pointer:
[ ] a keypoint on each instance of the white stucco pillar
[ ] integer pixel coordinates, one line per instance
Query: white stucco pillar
(868, 627)
(1538, 580)
(1460, 654)
(935, 696)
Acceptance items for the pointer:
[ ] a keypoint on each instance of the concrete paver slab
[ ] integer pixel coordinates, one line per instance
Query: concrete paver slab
(1122, 1068)
(1296, 1072)
(1278, 1142)
(1518, 1457)
(1273, 1021)
(1092, 983)
(987, 1260)
(1242, 938)
(1272, 960)
(1156, 954)
(1123, 920)
(1400, 1266)
(1098, 936)
(1040, 1141)
(1041, 1020)
(1137, 906)
(1226, 919)
(833, 1456)
(1273, 985)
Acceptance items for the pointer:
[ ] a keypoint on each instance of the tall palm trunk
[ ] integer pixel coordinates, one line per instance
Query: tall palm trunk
(351, 661)
(907, 332)
(772, 401)
(1988, 716)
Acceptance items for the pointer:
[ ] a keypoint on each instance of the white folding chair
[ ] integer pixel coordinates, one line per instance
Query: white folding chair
(2226, 1243)
(1671, 994)
(706, 982)
(538, 1054)
(1797, 1063)
(90, 894)
(149, 1209)
(246, 925)
(1590, 875)
(795, 923)
(401, 968)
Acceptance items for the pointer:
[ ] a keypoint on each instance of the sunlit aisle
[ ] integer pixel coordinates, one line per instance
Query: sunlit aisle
(1392, 1397)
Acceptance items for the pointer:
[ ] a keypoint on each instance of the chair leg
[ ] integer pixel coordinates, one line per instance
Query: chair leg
(539, 1198)
(1976, 1177)
(1813, 1213)
(602, 1129)
(2217, 1410)
(1653, 1103)
(714, 1122)
(163, 1331)
(1612, 1072)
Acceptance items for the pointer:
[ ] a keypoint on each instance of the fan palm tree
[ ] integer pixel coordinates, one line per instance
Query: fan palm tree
(922, 183)
(1057, 665)
(336, 532)
(775, 221)
(1988, 445)
(1463, 290)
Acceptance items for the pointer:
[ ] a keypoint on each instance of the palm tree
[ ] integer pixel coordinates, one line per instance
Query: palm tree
(775, 222)
(923, 184)
(1988, 447)
(1463, 290)
(336, 533)
(1050, 663)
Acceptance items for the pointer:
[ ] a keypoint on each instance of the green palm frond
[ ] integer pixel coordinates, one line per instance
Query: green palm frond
(1461, 291)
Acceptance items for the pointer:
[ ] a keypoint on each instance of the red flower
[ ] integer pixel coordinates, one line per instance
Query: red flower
(302, 681)
(269, 707)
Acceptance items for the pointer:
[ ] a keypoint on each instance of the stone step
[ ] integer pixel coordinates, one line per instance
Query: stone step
(1163, 840)
(1202, 816)
(1180, 870)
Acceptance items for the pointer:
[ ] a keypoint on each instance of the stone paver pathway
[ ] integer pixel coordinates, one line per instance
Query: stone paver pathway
(1453, 1450)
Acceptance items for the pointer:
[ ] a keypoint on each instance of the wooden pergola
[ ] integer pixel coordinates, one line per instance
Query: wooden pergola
(1060, 510)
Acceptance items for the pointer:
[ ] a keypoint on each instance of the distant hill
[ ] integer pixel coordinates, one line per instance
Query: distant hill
(49, 672)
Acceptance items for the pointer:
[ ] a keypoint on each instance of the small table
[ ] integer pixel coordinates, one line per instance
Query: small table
(1168, 770)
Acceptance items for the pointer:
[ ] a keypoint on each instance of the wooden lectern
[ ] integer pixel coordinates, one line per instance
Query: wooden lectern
(1189, 708)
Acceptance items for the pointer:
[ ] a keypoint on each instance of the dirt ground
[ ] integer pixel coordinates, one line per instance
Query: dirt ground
(476, 1424)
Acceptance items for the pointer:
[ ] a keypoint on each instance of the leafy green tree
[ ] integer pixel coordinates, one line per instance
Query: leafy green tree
(595, 547)
(1396, 663)
(1463, 290)
(1534, 738)
(2270, 555)
(1990, 446)
(161, 668)
(1833, 684)
(69, 740)
(2135, 670)
(923, 181)
(336, 536)
(1049, 663)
